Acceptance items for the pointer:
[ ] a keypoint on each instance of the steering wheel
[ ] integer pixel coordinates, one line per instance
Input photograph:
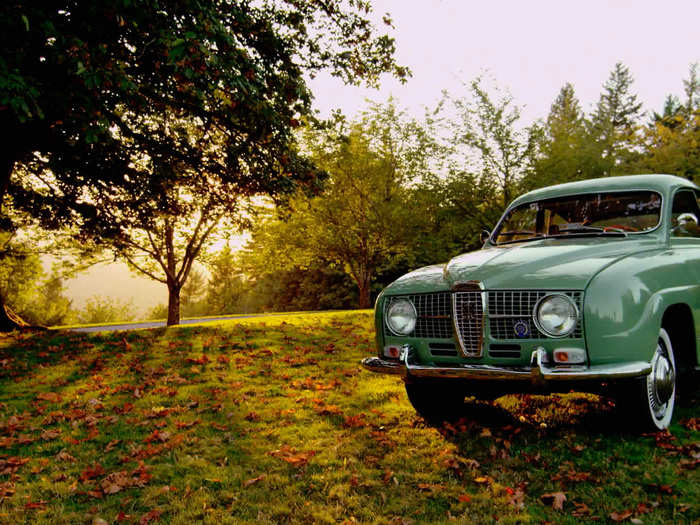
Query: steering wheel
(613, 227)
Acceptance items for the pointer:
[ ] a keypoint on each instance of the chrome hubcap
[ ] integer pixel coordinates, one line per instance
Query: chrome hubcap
(661, 382)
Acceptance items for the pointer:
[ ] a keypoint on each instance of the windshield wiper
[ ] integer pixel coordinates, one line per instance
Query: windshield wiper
(596, 230)
(535, 238)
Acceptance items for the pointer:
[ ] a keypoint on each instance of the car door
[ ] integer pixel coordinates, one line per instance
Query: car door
(685, 242)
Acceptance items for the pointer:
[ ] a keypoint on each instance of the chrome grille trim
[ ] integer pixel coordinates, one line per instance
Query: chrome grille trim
(506, 307)
(443, 315)
(468, 308)
(434, 312)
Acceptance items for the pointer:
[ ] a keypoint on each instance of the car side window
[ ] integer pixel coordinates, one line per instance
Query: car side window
(685, 214)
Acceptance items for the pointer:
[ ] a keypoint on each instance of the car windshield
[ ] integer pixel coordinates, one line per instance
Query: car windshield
(612, 213)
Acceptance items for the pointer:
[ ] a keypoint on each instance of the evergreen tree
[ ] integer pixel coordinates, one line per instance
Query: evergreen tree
(226, 288)
(192, 294)
(614, 120)
(564, 152)
(692, 90)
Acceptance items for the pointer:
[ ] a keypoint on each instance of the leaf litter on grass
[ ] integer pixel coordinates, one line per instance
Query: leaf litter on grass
(274, 421)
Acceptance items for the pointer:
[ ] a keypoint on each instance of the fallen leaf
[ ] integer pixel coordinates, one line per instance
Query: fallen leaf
(253, 481)
(112, 444)
(35, 505)
(48, 435)
(252, 416)
(51, 397)
(150, 516)
(582, 510)
(621, 516)
(556, 499)
(291, 456)
(91, 472)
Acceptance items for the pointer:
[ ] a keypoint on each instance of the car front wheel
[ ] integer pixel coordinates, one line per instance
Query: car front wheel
(436, 400)
(652, 400)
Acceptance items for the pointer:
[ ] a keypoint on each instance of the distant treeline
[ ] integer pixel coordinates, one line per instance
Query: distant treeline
(398, 193)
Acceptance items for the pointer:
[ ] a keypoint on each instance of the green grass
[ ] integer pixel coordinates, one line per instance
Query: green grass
(203, 317)
(273, 421)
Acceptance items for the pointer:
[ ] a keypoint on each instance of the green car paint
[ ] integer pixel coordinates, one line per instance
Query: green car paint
(629, 282)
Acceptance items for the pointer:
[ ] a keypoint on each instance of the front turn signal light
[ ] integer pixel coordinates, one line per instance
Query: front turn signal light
(569, 356)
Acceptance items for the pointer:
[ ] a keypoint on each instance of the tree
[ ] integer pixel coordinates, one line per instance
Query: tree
(454, 210)
(359, 222)
(489, 130)
(614, 121)
(72, 76)
(692, 90)
(192, 294)
(168, 214)
(566, 151)
(226, 290)
(671, 141)
(52, 308)
(38, 299)
(99, 310)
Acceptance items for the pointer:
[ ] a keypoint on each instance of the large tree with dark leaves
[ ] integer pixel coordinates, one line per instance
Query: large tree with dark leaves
(73, 74)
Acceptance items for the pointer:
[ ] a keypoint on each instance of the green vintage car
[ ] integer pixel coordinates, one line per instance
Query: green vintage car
(591, 285)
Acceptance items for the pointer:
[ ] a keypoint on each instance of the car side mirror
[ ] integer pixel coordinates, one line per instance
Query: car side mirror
(485, 234)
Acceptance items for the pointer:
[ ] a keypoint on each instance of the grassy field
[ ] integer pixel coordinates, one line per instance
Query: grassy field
(273, 421)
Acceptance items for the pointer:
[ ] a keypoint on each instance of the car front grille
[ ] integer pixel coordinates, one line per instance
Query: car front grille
(508, 307)
(504, 308)
(468, 311)
(434, 315)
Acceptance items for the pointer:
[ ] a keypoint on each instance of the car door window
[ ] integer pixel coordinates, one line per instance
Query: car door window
(685, 214)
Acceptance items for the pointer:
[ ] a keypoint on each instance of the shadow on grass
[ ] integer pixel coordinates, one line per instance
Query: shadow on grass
(553, 415)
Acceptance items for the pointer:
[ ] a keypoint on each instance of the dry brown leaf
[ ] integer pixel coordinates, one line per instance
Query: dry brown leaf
(620, 516)
(556, 499)
(253, 481)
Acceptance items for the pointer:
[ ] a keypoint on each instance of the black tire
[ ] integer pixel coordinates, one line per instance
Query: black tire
(648, 403)
(436, 401)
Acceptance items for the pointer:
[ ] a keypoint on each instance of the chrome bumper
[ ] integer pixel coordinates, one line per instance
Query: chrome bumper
(538, 370)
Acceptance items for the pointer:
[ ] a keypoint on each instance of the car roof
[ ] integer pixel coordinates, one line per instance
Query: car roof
(656, 182)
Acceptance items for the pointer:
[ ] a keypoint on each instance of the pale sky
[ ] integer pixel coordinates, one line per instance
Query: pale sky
(531, 48)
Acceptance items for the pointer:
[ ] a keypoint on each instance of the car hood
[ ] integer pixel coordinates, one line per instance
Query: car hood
(555, 264)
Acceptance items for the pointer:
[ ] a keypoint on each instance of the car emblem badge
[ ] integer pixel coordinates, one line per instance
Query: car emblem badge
(469, 312)
(521, 328)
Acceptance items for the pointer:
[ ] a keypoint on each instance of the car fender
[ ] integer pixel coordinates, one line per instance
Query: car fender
(625, 303)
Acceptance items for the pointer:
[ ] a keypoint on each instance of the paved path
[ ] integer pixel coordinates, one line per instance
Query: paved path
(156, 324)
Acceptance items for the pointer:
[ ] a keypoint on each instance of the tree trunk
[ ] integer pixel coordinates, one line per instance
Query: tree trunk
(8, 319)
(173, 305)
(363, 287)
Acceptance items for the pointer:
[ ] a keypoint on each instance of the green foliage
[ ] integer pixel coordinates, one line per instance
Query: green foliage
(497, 148)
(672, 145)
(359, 222)
(313, 287)
(192, 294)
(99, 309)
(613, 123)
(122, 114)
(567, 150)
(74, 79)
(226, 291)
(51, 307)
(26, 289)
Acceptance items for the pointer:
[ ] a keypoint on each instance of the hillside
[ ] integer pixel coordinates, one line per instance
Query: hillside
(274, 421)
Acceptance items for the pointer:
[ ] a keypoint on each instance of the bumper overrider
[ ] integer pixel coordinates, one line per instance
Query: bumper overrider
(539, 370)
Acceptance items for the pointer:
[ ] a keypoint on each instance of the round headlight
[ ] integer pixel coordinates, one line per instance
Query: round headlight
(556, 315)
(401, 317)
